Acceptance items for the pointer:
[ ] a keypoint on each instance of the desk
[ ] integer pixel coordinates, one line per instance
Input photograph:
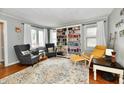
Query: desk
(103, 65)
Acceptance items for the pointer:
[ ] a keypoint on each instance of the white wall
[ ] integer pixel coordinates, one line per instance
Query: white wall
(113, 19)
(13, 37)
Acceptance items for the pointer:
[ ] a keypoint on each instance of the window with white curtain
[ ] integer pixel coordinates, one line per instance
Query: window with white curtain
(38, 37)
(34, 38)
(41, 40)
(91, 36)
(53, 36)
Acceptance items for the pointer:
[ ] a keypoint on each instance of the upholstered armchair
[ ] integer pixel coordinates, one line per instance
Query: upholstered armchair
(51, 51)
(25, 55)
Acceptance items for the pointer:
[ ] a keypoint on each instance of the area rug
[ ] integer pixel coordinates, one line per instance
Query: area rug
(50, 71)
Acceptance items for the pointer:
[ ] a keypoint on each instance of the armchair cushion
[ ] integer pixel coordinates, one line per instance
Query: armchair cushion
(50, 50)
(99, 51)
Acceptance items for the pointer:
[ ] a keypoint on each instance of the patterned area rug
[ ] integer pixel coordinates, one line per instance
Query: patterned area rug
(50, 71)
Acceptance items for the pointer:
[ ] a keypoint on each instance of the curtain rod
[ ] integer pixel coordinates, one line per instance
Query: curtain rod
(91, 23)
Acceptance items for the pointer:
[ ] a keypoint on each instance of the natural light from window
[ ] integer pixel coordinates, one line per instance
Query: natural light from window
(53, 36)
(41, 38)
(37, 38)
(91, 36)
(34, 38)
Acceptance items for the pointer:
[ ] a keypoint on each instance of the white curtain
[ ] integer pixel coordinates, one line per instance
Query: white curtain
(45, 36)
(27, 34)
(53, 37)
(100, 35)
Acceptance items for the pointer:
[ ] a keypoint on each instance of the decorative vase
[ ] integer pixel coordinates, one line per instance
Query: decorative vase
(113, 59)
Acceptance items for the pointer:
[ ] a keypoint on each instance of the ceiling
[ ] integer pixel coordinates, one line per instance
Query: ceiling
(55, 17)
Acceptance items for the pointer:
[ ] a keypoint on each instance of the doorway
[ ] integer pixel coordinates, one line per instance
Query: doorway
(1, 46)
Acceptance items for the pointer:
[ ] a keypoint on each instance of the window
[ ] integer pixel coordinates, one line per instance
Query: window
(41, 38)
(38, 37)
(53, 37)
(34, 38)
(91, 36)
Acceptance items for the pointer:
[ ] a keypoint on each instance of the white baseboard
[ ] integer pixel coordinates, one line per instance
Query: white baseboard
(9, 64)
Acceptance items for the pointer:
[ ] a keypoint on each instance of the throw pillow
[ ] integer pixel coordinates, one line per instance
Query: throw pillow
(50, 50)
(25, 52)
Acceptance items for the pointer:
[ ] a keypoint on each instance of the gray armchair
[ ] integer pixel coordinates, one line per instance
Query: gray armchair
(28, 59)
(54, 50)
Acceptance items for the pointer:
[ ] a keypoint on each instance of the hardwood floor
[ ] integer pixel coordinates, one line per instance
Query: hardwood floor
(5, 71)
(1, 65)
(17, 67)
(100, 80)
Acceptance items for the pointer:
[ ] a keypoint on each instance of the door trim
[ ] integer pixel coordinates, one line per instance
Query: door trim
(5, 42)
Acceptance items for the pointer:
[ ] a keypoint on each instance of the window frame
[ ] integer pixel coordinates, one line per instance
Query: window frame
(33, 46)
(37, 37)
(41, 30)
(89, 37)
(51, 41)
(87, 41)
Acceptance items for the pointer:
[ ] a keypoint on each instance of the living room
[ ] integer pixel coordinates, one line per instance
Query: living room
(60, 28)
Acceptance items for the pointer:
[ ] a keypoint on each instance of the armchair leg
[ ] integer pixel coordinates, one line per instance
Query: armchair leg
(32, 65)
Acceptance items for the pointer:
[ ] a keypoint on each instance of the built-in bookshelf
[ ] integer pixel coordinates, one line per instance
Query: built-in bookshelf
(74, 44)
(62, 39)
(62, 36)
(69, 39)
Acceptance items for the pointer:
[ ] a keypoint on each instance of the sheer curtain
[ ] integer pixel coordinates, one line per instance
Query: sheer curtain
(53, 36)
(45, 36)
(27, 34)
(100, 34)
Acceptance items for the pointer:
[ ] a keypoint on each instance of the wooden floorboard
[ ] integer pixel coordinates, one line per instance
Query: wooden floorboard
(5, 71)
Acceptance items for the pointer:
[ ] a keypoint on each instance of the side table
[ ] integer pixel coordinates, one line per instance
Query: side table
(103, 65)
